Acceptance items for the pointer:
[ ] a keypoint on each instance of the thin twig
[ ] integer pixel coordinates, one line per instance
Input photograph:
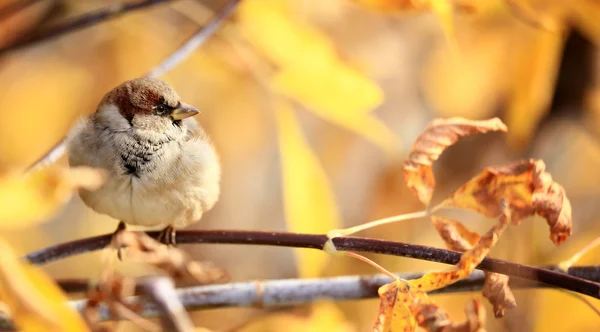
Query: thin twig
(197, 39)
(161, 292)
(317, 241)
(82, 21)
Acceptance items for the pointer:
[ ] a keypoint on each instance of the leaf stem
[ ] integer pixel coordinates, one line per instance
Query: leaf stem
(375, 223)
(373, 264)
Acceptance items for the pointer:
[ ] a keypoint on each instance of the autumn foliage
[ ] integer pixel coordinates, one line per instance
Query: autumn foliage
(508, 193)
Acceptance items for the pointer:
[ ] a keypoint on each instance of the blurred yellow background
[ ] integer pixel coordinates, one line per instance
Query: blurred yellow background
(312, 106)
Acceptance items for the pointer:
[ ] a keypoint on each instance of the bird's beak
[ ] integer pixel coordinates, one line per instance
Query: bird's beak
(184, 111)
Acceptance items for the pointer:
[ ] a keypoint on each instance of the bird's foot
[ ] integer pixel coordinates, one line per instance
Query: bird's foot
(167, 236)
(120, 229)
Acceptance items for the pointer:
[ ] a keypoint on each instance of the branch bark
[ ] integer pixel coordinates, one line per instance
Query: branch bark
(77, 23)
(577, 284)
(291, 292)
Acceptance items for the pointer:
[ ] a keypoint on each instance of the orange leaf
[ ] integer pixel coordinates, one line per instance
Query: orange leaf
(495, 286)
(527, 188)
(496, 290)
(439, 135)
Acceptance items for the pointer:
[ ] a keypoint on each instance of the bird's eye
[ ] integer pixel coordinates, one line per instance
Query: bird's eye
(161, 108)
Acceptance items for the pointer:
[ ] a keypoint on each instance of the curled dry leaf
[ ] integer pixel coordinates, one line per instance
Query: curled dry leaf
(439, 135)
(434, 319)
(527, 188)
(32, 198)
(460, 238)
(497, 291)
(173, 261)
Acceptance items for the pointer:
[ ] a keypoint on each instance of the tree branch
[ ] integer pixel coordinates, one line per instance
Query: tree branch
(290, 292)
(317, 241)
(197, 39)
(77, 23)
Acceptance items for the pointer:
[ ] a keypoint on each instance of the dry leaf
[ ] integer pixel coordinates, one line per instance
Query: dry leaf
(439, 135)
(310, 205)
(496, 290)
(394, 308)
(36, 303)
(455, 234)
(495, 286)
(173, 261)
(35, 197)
(431, 317)
(434, 319)
(527, 188)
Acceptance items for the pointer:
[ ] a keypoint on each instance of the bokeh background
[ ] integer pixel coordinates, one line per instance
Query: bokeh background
(313, 105)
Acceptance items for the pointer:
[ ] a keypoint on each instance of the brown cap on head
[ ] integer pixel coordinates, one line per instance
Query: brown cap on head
(142, 96)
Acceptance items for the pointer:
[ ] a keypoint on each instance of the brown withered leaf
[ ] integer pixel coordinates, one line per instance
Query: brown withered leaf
(455, 234)
(527, 188)
(496, 290)
(460, 238)
(439, 135)
(173, 261)
(434, 319)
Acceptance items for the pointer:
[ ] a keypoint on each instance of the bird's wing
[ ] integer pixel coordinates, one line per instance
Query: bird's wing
(57, 151)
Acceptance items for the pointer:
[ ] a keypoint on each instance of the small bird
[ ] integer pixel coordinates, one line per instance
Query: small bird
(163, 169)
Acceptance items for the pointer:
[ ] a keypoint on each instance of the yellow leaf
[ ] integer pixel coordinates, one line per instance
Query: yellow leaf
(532, 88)
(34, 197)
(394, 309)
(34, 300)
(38, 111)
(310, 205)
(311, 72)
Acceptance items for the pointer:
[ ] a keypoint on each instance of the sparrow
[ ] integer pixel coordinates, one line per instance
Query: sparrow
(163, 170)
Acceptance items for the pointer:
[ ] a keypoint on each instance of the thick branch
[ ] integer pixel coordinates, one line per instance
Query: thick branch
(315, 241)
(79, 22)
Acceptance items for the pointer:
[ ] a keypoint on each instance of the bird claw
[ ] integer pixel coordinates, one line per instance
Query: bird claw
(167, 236)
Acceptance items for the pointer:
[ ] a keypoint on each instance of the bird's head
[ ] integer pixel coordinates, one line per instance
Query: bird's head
(143, 103)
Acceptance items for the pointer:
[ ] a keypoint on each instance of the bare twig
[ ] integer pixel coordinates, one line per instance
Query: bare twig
(197, 39)
(290, 292)
(81, 22)
(317, 241)
(161, 292)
